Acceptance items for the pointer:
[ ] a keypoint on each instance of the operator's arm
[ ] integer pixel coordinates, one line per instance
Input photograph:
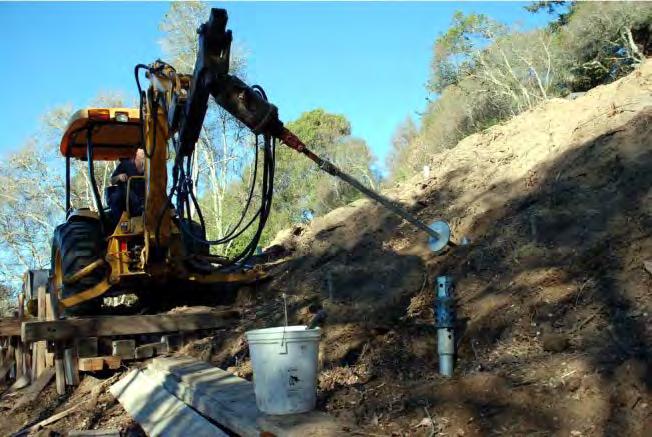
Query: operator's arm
(119, 174)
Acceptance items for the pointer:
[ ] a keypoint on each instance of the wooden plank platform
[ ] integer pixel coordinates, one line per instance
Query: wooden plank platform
(231, 402)
(107, 326)
(9, 327)
(157, 411)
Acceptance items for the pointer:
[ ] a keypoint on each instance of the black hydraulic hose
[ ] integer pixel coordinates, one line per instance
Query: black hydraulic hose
(159, 220)
(68, 204)
(141, 97)
(265, 206)
(262, 214)
(250, 195)
(231, 235)
(202, 222)
(154, 116)
(183, 186)
(91, 176)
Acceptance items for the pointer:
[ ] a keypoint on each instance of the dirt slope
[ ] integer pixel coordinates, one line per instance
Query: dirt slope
(553, 298)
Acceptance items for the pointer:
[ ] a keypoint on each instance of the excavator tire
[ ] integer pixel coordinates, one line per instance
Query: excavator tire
(76, 244)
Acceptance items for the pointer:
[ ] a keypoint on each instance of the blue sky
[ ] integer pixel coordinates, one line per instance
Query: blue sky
(368, 61)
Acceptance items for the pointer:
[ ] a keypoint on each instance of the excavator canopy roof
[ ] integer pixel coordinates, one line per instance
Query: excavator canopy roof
(115, 133)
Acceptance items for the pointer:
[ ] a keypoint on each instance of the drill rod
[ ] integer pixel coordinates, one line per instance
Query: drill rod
(292, 141)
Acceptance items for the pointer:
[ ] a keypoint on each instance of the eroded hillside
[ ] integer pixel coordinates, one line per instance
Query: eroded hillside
(553, 297)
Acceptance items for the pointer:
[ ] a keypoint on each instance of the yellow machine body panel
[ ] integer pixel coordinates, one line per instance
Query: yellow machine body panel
(116, 133)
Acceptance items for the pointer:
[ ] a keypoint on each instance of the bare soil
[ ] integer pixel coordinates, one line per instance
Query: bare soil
(91, 411)
(553, 298)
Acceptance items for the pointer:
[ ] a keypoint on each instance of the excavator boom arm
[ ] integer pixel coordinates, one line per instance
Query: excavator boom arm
(211, 78)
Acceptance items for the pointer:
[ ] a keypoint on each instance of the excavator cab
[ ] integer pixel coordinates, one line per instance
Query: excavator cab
(80, 266)
(115, 134)
(101, 134)
(164, 243)
(92, 254)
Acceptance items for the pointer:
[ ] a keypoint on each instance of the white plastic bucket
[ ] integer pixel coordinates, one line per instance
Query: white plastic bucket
(284, 362)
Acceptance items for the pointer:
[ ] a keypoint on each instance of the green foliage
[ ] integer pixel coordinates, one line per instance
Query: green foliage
(8, 301)
(301, 189)
(223, 167)
(484, 72)
(563, 9)
(30, 211)
(604, 41)
(399, 157)
(548, 6)
(453, 50)
(180, 24)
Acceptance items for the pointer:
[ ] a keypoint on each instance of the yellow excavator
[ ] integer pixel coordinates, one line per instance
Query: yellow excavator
(92, 256)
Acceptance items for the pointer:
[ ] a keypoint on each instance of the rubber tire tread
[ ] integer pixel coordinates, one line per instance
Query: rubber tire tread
(80, 242)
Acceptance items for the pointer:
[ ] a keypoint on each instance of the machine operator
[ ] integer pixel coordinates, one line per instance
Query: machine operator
(118, 197)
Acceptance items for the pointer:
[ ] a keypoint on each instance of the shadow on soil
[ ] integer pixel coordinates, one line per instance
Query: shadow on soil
(563, 256)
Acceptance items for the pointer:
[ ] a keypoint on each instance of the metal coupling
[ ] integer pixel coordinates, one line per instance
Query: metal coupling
(445, 324)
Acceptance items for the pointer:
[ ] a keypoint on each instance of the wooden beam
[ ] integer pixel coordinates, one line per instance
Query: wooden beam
(59, 365)
(8, 362)
(95, 433)
(124, 325)
(32, 392)
(71, 365)
(59, 370)
(91, 364)
(230, 401)
(39, 348)
(21, 364)
(125, 349)
(112, 362)
(158, 412)
(95, 364)
(9, 327)
(49, 420)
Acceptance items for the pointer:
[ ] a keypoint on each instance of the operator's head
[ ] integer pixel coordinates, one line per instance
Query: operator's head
(139, 160)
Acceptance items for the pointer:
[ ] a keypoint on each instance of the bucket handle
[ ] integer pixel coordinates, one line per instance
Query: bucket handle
(284, 345)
